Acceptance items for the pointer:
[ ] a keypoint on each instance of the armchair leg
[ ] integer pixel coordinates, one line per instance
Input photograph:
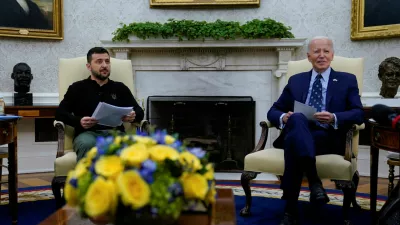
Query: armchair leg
(391, 179)
(245, 179)
(56, 184)
(356, 179)
(349, 191)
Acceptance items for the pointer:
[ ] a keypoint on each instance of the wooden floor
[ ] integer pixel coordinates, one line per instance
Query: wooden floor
(44, 179)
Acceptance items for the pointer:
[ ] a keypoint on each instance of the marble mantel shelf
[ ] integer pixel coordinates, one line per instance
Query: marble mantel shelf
(154, 48)
(175, 43)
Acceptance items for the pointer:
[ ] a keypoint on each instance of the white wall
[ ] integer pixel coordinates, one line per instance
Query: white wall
(86, 22)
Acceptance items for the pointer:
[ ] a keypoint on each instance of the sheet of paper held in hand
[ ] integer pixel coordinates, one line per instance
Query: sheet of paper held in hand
(308, 111)
(110, 115)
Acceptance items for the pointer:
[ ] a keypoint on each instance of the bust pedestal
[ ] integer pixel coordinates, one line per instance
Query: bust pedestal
(21, 99)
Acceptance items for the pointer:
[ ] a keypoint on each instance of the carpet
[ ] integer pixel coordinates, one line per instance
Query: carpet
(37, 203)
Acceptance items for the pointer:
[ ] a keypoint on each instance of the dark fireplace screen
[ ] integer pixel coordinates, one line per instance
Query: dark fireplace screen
(223, 126)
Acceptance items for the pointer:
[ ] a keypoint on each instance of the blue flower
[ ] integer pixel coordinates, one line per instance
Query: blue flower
(73, 182)
(141, 133)
(175, 189)
(149, 165)
(92, 169)
(177, 145)
(147, 175)
(198, 152)
(103, 143)
(147, 170)
(159, 136)
(101, 151)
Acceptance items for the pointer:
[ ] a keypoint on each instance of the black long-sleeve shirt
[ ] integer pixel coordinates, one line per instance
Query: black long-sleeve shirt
(82, 98)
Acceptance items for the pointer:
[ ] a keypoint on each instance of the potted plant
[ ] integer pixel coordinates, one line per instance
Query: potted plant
(140, 178)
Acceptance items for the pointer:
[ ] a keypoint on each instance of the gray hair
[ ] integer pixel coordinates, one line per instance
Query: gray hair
(319, 38)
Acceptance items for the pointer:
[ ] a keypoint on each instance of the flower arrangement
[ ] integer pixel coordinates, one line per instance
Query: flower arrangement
(136, 177)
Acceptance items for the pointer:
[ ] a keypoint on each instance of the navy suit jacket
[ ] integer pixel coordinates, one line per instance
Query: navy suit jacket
(342, 98)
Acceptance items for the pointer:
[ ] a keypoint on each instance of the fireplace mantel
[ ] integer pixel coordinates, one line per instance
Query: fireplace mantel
(153, 43)
(284, 48)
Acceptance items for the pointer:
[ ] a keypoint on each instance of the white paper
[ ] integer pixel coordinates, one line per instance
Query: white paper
(110, 115)
(308, 111)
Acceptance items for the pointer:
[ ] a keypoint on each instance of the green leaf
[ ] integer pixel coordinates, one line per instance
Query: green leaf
(200, 30)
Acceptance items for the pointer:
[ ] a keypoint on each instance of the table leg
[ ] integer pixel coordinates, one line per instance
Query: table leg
(13, 180)
(374, 152)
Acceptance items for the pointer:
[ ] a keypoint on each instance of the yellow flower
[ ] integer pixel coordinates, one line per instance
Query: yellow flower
(70, 192)
(189, 160)
(82, 167)
(211, 193)
(195, 186)
(209, 175)
(91, 153)
(109, 166)
(101, 198)
(145, 140)
(159, 153)
(135, 154)
(169, 139)
(134, 190)
(126, 138)
(117, 140)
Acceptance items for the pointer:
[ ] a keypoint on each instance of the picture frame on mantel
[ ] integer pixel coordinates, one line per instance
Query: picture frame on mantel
(373, 19)
(204, 3)
(40, 19)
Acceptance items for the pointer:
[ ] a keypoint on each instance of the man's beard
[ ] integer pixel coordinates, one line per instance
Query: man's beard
(100, 76)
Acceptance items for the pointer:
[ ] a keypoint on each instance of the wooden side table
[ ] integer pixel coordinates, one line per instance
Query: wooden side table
(8, 135)
(384, 138)
(34, 111)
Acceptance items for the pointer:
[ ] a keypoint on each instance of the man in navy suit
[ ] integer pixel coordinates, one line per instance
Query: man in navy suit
(336, 97)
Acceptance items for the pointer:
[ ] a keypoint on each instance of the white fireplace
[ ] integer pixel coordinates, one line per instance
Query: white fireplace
(254, 68)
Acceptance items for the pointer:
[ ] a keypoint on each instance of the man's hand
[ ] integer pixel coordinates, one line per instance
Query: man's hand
(324, 117)
(88, 122)
(286, 116)
(129, 118)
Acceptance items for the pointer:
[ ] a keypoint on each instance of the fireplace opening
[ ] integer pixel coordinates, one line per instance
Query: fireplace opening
(221, 125)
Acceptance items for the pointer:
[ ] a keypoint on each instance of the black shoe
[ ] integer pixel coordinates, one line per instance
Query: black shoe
(288, 219)
(318, 194)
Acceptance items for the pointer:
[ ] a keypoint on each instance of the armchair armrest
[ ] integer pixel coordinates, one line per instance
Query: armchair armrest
(358, 127)
(60, 133)
(349, 154)
(265, 125)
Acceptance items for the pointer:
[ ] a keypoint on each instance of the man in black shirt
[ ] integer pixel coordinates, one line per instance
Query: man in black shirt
(82, 98)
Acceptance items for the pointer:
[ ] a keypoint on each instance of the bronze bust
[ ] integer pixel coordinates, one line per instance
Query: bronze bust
(22, 77)
(389, 74)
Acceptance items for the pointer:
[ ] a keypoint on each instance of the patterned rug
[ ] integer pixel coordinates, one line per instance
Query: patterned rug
(273, 191)
(258, 190)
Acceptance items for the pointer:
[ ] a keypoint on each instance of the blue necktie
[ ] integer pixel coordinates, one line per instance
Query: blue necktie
(316, 98)
(316, 94)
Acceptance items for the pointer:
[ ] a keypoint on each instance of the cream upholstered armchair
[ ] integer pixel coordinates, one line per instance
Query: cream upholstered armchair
(71, 70)
(341, 169)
